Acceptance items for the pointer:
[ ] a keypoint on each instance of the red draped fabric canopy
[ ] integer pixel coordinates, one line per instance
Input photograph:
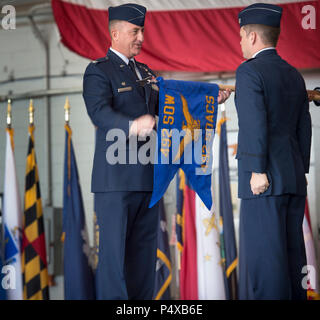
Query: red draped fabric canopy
(194, 36)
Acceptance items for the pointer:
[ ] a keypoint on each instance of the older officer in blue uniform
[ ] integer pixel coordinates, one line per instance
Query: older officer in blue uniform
(115, 100)
(273, 157)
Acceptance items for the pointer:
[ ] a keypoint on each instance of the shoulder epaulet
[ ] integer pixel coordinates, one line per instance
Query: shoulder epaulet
(104, 59)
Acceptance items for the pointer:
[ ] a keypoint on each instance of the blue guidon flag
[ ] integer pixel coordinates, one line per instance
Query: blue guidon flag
(187, 121)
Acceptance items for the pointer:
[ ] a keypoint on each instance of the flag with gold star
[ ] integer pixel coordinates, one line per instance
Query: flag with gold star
(201, 274)
(34, 259)
(209, 260)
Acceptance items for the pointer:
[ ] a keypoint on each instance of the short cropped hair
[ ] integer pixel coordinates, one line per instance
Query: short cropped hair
(111, 25)
(269, 35)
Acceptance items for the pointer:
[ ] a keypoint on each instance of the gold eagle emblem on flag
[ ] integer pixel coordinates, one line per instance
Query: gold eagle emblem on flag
(190, 126)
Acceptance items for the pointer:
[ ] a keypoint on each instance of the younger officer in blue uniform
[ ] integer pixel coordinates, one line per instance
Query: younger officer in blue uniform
(113, 97)
(273, 157)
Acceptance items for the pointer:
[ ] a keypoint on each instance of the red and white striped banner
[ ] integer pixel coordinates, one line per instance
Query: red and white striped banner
(185, 35)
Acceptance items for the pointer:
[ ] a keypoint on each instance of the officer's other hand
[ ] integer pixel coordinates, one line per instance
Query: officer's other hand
(223, 95)
(142, 126)
(312, 97)
(259, 183)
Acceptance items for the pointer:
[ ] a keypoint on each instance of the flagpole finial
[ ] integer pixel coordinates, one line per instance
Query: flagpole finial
(31, 112)
(9, 114)
(67, 111)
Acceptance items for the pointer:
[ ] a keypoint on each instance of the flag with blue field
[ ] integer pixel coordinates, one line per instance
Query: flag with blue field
(78, 275)
(187, 121)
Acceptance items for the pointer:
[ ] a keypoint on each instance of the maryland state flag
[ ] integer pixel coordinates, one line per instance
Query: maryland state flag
(187, 121)
(163, 267)
(34, 261)
(78, 275)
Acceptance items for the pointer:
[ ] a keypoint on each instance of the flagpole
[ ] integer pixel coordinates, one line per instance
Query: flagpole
(67, 111)
(227, 87)
(9, 114)
(31, 113)
(312, 94)
(69, 132)
(9, 123)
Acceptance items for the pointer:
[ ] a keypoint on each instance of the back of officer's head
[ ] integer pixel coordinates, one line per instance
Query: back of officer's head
(268, 35)
(264, 19)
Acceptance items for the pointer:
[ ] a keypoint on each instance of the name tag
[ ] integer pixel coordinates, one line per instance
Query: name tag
(155, 87)
(125, 89)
